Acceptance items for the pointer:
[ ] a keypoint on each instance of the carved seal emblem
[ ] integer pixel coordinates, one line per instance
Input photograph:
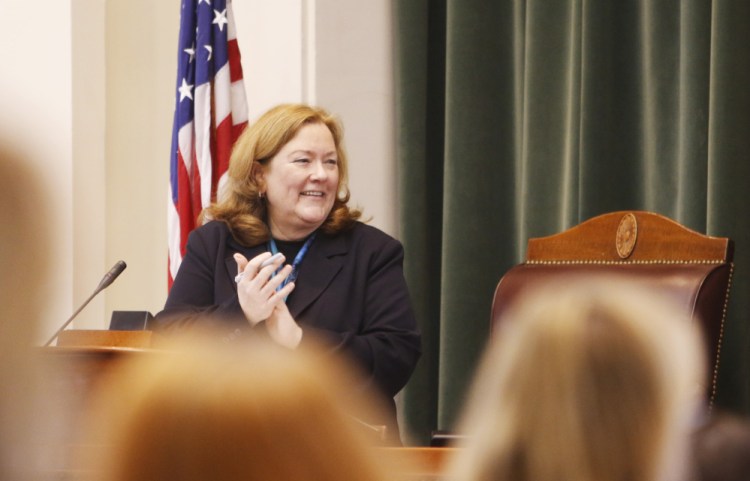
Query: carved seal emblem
(627, 233)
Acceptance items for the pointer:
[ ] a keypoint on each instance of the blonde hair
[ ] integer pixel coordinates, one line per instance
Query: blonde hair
(590, 382)
(241, 206)
(207, 412)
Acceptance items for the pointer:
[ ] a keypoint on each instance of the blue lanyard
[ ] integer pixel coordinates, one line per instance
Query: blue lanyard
(297, 259)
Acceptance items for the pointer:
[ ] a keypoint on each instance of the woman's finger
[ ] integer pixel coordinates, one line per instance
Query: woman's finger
(274, 282)
(241, 264)
(257, 264)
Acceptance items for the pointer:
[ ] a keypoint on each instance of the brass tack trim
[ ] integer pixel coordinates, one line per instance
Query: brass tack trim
(715, 374)
(610, 262)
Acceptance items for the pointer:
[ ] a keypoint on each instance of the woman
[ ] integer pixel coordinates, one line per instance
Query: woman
(343, 281)
(587, 382)
(200, 412)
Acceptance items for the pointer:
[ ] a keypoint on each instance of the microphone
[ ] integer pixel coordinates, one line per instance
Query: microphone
(110, 276)
(378, 429)
(108, 279)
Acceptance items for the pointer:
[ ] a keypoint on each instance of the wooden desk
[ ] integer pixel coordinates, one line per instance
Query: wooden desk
(418, 463)
(98, 339)
(71, 371)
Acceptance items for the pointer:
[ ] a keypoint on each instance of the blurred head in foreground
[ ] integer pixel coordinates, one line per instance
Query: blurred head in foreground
(587, 382)
(26, 415)
(721, 448)
(203, 412)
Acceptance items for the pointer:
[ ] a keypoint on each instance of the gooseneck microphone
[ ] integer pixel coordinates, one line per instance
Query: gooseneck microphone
(108, 279)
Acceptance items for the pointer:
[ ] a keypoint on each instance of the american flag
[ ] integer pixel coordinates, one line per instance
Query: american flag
(210, 113)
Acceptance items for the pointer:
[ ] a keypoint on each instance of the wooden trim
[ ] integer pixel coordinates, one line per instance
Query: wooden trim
(104, 339)
(658, 238)
(422, 461)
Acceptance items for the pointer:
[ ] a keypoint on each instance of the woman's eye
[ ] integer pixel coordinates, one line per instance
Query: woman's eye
(332, 161)
(302, 161)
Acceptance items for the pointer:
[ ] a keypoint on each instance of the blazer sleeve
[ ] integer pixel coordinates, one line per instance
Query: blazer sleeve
(196, 298)
(384, 339)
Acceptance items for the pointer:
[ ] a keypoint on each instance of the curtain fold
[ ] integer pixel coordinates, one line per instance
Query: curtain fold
(420, 99)
(521, 118)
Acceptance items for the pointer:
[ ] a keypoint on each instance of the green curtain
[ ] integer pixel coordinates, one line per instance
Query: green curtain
(522, 118)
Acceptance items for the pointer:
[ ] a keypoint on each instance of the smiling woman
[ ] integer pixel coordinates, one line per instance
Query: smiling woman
(343, 282)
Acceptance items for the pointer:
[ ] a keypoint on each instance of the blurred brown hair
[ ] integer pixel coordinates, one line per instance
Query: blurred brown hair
(201, 411)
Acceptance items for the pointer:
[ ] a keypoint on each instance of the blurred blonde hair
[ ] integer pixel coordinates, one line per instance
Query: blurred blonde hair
(589, 382)
(201, 411)
(240, 205)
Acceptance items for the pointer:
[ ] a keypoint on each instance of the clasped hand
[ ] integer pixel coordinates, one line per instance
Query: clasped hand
(261, 301)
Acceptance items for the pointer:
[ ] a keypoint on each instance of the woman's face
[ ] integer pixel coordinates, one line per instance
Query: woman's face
(301, 182)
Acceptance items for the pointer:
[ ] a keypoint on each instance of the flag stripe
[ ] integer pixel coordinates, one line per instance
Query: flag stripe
(239, 106)
(222, 93)
(203, 141)
(235, 67)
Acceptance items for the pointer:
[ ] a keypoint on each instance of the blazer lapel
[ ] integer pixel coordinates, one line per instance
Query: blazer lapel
(321, 264)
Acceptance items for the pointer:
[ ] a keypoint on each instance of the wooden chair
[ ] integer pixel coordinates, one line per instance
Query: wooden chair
(659, 253)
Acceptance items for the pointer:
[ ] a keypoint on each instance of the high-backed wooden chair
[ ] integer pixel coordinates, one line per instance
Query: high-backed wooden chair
(659, 253)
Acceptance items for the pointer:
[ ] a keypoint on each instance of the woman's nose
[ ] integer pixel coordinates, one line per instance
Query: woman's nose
(319, 170)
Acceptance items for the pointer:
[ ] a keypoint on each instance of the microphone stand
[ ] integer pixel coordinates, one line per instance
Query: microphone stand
(70, 319)
(108, 279)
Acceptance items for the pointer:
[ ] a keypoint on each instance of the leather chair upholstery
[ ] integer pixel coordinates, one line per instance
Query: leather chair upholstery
(660, 254)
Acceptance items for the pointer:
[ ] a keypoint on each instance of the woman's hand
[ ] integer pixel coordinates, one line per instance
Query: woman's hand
(283, 328)
(256, 289)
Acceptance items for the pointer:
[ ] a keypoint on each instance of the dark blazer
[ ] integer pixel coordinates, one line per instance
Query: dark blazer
(350, 293)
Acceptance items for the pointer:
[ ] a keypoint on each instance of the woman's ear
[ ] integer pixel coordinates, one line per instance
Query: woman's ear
(257, 174)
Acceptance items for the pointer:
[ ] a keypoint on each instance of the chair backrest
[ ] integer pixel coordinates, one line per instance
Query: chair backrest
(659, 253)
